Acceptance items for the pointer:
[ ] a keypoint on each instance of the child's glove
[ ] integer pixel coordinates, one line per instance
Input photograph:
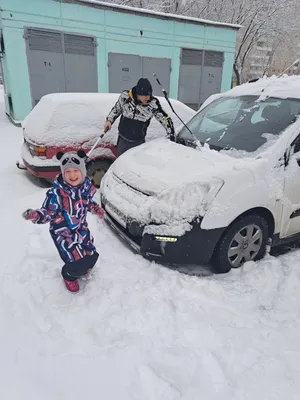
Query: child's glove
(31, 215)
(96, 210)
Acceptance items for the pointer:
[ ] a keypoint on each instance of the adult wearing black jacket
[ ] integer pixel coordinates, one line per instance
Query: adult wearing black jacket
(136, 107)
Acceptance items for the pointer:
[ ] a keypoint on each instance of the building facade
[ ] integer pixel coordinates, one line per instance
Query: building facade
(259, 59)
(50, 46)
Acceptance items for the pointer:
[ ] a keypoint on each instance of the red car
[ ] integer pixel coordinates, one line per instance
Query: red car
(73, 121)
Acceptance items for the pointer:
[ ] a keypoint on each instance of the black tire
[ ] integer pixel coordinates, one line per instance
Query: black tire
(47, 183)
(96, 170)
(222, 261)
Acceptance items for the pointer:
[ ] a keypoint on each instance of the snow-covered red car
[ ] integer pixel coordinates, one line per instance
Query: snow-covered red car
(224, 202)
(68, 121)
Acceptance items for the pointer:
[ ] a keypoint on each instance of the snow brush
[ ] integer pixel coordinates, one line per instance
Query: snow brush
(168, 100)
(280, 75)
(98, 140)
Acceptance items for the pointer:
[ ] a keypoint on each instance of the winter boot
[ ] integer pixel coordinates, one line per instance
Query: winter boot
(72, 286)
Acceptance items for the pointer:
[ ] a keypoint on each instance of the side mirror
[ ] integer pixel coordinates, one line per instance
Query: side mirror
(297, 146)
(296, 150)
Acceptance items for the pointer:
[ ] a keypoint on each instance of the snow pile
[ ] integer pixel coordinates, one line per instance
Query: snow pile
(184, 202)
(136, 331)
(68, 119)
(161, 165)
(168, 184)
(283, 87)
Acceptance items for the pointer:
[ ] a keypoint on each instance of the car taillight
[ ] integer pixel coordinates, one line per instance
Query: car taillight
(38, 151)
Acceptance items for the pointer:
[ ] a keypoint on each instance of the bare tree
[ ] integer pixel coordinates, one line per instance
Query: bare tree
(269, 21)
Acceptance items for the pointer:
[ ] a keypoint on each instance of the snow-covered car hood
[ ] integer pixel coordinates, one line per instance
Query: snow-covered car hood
(160, 165)
(167, 184)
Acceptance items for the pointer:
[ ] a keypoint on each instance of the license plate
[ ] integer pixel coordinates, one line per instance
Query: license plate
(116, 214)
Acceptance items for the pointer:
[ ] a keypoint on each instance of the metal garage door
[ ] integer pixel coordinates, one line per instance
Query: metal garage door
(211, 79)
(80, 63)
(45, 63)
(200, 76)
(124, 70)
(190, 77)
(162, 68)
(59, 62)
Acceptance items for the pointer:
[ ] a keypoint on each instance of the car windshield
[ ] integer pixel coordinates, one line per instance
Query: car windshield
(241, 123)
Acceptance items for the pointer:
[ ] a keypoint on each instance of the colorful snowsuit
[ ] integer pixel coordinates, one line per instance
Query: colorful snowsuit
(65, 208)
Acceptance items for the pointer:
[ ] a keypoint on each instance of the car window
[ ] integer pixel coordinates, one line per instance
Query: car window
(257, 115)
(220, 116)
(241, 123)
(297, 145)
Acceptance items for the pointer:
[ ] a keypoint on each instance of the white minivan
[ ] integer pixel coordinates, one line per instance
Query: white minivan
(221, 200)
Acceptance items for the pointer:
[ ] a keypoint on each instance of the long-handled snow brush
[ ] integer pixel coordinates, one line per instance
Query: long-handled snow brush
(98, 140)
(168, 100)
(280, 75)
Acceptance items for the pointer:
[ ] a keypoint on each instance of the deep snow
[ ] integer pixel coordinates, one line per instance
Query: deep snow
(137, 331)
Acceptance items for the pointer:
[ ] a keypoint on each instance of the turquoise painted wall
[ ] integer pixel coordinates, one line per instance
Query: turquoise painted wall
(115, 32)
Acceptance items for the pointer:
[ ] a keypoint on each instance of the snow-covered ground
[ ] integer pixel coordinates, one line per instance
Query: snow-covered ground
(137, 331)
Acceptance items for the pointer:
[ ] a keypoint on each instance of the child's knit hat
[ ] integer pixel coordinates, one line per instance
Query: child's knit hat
(72, 160)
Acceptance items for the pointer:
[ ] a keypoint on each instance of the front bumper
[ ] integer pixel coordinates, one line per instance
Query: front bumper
(48, 173)
(38, 167)
(194, 247)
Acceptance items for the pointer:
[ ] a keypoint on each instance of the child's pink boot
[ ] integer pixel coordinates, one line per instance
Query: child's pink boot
(72, 286)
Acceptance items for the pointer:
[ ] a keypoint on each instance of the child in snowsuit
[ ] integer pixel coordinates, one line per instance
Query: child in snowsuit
(65, 208)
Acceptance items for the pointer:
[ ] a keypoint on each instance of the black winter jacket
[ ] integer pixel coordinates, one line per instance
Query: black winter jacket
(135, 117)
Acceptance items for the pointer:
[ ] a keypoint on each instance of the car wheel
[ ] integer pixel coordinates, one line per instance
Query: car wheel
(245, 240)
(96, 170)
(46, 182)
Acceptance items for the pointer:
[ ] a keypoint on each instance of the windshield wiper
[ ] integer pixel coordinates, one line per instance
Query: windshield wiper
(186, 142)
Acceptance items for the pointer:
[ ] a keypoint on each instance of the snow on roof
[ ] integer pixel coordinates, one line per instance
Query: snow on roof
(157, 14)
(283, 87)
(67, 119)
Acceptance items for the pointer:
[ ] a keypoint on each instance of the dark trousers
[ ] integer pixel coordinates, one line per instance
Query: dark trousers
(75, 269)
(123, 145)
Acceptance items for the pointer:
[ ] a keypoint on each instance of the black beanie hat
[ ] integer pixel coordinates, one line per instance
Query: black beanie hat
(144, 87)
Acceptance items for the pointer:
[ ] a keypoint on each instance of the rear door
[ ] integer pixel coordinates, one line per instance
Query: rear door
(291, 197)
